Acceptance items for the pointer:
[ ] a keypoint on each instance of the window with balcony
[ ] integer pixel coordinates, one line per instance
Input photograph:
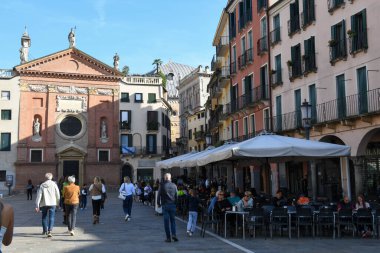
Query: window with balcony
(362, 82)
(152, 121)
(152, 98)
(308, 14)
(138, 97)
(309, 56)
(295, 65)
(36, 156)
(337, 44)
(232, 25)
(124, 97)
(248, 89)
(249, 51)
(6, 114)
(264, 82)
(334, 4)
(253, 125)
(358, 33)
(151, 144)
(5, 142)
(125, 120)
(277, 72)
(261, 5)
(341, 97)
(262, 43)
(236, 129)
(242, 58)
(241, 16)
(266, 119)
(275, 34)
(5, 95)
(294, 22)
(245, 128)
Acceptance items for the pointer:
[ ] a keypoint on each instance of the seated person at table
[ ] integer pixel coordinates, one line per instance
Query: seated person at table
(213, 199)
(245, 202)
(303, 200)
(233, 199)
(279, 200)
(366, 231)
(222, 204)
(345, 203)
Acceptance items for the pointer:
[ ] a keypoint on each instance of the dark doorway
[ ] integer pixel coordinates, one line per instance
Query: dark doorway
(126, 171)
(71, 167)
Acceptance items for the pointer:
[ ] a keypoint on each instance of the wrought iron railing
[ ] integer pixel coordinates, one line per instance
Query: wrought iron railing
(277, 77)
(242, 61)
(275, 36)
(233, 68)
(252, 97)
(249, 55)
(225, 71)
(358, 41)
(262, 45)
(338, 49)
(222, 44)
(334, 4)
(293, 25)
(295, 69)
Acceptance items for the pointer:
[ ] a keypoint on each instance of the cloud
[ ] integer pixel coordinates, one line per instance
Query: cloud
(99, 6)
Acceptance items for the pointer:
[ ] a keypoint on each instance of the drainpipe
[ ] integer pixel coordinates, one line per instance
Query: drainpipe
(269, 75)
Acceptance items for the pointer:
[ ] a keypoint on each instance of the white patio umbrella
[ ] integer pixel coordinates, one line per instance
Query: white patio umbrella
(191, 161)
(168, 163)
(218, 152)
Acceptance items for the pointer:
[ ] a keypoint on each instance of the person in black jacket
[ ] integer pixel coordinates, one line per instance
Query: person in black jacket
(193, 204)
(167, 197)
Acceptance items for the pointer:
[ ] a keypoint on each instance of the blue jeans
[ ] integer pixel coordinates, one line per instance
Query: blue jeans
(48, 215)
(127, 205)
(71, 214)
(168, 211)
(192, 223)
(83, 201)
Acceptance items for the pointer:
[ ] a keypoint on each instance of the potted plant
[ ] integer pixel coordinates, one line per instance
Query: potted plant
(332, 43)
(272, 72)
(289, 63)
(351, 33)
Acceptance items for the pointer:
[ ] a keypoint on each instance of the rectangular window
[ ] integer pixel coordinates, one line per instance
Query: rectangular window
(361, 74)
(277, 75)
(242, 59)
(358, 34)
(232, 25)
(313, 102)
(262, 43)
(3, 175)
(36, 155)
(309, 56)
(5, 95)
(241, 16)
(138, 98)
(6, 114)
(124, 97)
(5, 142)
(248, 10)
(308, 15)
(337, 44)
(278, 114)
(245, 126)
(334, 4)
(253, 125)
(249, 51)
(190, 134)
(236, 128)
(275, 35)
(261, 5)
(152, 98)
(152, 120)
(103, 155)
(151, 143)
(297, 107)
(295, 65)
(294, 22)
(266, 119)
(126, 140)
(248, 91)
(233, 63)
(125, 120)
(341, 96)
(264, 83)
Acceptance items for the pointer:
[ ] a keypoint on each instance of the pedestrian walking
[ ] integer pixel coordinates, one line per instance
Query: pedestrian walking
(167, 198)
(29, 189)
(83, 197)
(96, 189)
(6, 224)
(47, 199)
(71, 194)
(193, 205)
(127, 189)
(62, 200)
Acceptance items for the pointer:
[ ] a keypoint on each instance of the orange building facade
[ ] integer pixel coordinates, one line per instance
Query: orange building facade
(69, 114)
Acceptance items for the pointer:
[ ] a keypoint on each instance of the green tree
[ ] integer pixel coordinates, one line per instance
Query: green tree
(125, 70)
(157, 62)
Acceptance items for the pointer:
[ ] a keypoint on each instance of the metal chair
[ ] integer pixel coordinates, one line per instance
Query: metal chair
(304, 217)
(325, 217)
(345, 218)
(208, 219)
(279, 218)
(256, 218)
(363, 218)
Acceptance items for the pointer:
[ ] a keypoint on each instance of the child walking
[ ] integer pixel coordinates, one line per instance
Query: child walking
(83, 197)
(193, 203)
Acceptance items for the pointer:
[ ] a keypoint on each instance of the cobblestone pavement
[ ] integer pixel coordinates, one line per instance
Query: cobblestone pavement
(145, 233)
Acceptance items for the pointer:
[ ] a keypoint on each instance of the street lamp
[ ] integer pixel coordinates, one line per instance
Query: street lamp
(208, 139)
(306, 117)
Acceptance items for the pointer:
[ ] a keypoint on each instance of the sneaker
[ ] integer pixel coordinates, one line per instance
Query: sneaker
(72, 233)
(190, 234)
(126, 217)
(49, 234)
(175, 238)
(129, 218)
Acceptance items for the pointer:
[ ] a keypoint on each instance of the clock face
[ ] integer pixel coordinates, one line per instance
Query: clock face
(70, 126)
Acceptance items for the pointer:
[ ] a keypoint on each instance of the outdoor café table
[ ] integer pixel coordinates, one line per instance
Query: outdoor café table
(236, 226)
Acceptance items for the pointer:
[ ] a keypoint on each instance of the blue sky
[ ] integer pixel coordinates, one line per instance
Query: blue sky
(138, 30)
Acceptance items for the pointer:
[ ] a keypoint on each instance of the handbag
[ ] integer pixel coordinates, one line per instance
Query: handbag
(121, 195)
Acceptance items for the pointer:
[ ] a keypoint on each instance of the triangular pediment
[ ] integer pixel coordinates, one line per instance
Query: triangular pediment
(71, 150)
(72, 62)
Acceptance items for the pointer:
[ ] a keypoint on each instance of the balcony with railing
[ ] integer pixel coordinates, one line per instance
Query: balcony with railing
(152, 126)
(242, 61)
(223, 45)
(309, 63)
(276, 77)
(251, 98)
(7, 73)
(233, 68)
(125, 125)
(332, 5)
(225, 72)
(275, 36)
(338, 50)
(249, 55)
(145, 80)
(294, 25)
(357, 41)
(295, 69)
(337, 110)
(262, 45)
(307, 17)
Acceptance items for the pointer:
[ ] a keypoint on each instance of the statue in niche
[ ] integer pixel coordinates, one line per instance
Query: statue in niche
(103, 130)
(36, 127)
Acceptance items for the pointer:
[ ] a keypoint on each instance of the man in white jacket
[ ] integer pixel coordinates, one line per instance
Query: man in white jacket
(47, 200)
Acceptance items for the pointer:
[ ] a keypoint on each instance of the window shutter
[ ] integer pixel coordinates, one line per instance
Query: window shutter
(306, 9)
(130, 143)
(311, 10)
(333, 37)
(343, 37)
(293, 54)
(355, 30)
(365, 38)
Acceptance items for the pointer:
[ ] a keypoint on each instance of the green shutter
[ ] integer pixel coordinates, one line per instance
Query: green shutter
(313, 102)
(362, 88)
(306, 12)
(354, 29)
(297, 103)
(311, 10)
(343, 37)
(365, 38)
(151, 97)
(333, 37)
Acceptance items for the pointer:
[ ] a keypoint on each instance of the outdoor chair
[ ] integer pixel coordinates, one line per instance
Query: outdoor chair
(345, 219)
(279, 218)
(304, 217)
(256, 218)
(207, 220)
(325, 218)
(363, 218)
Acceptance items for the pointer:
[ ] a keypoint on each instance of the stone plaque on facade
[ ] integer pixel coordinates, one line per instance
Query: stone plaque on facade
(71, 104)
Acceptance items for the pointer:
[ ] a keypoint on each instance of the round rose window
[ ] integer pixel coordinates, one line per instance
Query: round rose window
(70, 126)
